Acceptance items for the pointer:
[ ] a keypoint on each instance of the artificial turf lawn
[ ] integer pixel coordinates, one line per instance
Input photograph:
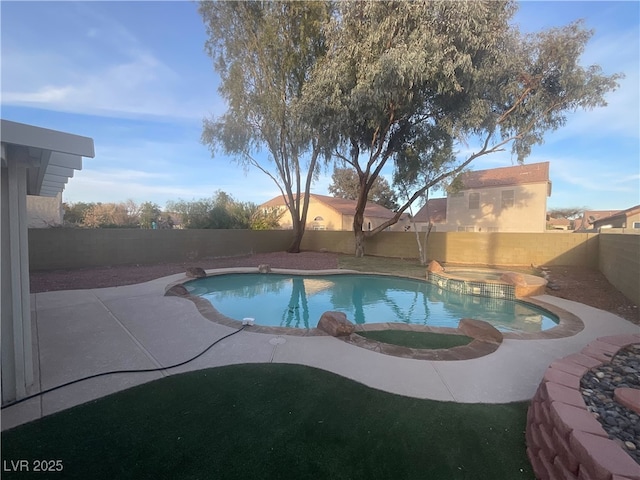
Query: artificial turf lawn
(267, 421)
(426, 340)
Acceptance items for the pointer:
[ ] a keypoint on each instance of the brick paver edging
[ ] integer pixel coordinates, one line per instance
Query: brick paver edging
(564, 439)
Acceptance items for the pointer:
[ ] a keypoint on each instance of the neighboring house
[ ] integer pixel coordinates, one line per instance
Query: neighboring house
(434, 212)
(558, 223)
(330, 213)
(590, 216)
(44, 212)
(629, 218)
(508, 199)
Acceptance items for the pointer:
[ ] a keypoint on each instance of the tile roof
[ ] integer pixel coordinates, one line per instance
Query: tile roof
(507, 176)
(626, 213)
(590, 216)
(437, 211)
(341, 205)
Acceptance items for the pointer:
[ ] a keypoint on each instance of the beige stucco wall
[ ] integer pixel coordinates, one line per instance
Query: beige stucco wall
(332, 220)
(619, 261)
(44, 212)
(528, 213)
(619, 222)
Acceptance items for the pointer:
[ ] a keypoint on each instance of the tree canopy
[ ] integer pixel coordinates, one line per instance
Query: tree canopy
(345, 184)
(221, 211)
(264, 53)
(410, 82)
(570, 213)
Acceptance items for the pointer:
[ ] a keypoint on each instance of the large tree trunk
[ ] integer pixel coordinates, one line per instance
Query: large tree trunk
(298, 232)
(359, 243)
(296, 241)
(358, 217)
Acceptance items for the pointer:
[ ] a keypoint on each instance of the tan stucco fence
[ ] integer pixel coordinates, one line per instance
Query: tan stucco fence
(617, 255)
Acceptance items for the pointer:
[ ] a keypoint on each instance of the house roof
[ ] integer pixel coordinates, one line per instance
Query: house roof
(437, 211)
(623, 213)
(590, 216)
(341, 205)
(51, 156)
(507, 176)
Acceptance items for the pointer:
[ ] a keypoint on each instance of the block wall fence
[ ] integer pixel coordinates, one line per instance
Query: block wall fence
(54, 248)
(619, 261)
(617, 255)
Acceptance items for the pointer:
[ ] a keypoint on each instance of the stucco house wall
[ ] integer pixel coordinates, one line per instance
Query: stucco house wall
(517, 208)
(319, 217)
(629, 218)
(322, 215)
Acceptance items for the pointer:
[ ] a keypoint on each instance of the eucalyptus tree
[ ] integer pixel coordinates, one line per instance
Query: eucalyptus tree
(264, 53)
(345, 184)
(401, 75)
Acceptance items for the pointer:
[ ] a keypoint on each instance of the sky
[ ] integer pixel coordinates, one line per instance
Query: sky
(134, 76)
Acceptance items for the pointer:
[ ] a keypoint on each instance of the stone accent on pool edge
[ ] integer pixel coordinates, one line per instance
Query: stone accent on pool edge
(486, 340)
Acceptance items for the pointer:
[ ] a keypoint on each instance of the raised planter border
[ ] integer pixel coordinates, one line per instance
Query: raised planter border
(564, 439)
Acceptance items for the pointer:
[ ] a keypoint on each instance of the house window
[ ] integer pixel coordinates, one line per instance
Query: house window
(467, 229)
(319, 227)
(508, 197)
(318, 219)
(474, 201)
(369, 226)
(636, 224)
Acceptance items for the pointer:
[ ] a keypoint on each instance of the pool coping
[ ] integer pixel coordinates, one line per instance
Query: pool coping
(569, 324)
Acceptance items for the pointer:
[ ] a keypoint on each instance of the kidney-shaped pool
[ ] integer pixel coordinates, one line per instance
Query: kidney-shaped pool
(298, 301)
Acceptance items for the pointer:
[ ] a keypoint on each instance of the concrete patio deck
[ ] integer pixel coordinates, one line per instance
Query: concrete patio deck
(78, 333)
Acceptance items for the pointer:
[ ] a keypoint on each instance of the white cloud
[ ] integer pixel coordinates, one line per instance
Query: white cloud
(111, 73)
(141, 86)
(120, 185)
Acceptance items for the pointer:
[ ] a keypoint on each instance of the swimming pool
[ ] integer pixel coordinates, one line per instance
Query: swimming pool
(298, 301)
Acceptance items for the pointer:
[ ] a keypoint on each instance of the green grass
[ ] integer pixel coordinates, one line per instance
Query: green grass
(426, 340)
(268, 421)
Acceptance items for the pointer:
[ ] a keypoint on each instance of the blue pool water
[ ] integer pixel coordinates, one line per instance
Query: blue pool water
(299, 301)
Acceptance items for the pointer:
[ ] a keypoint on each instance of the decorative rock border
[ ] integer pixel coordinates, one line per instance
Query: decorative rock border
(564, 440)
(486, 340)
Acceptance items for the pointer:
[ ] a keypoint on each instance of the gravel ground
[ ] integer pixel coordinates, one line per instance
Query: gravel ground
(598, 387)
(573, 283)
(99, 277)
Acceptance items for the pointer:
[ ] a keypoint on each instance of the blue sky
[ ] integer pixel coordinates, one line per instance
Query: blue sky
(134, 76)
